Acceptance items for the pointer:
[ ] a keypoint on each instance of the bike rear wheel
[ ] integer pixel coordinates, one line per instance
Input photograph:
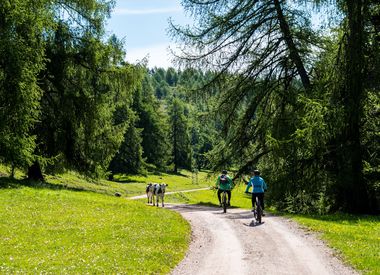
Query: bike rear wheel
(259, 210)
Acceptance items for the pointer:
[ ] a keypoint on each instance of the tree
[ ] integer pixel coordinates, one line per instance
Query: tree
(263, 53)
(85, 82)
(179, 137)
(266, 44)
(352, 188)
(21, 59)
(153, 120)
(128, 159)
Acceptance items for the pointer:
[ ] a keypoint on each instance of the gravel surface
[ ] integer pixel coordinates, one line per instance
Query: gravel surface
(232, 244)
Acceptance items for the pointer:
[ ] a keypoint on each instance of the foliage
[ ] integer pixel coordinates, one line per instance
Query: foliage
(153, 120)
(292, 99)
(180, 136)
(22, 58)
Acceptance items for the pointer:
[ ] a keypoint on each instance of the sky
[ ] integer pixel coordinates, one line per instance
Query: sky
(143, 24)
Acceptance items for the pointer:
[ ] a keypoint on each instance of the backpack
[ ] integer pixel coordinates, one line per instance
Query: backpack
(223, 180)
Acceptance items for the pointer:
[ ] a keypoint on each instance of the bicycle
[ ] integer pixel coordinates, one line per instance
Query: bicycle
(223, 199)
(257, 211)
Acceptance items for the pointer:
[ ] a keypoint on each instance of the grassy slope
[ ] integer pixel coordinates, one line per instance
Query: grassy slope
(47, 228)
(128, 185)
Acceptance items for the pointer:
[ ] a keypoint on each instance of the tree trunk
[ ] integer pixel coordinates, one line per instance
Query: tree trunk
(175, 148)
(34, 172)
(352, 185)
(293, 51)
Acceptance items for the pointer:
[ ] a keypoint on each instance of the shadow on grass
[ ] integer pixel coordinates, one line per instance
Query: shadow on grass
(7, 182)
(178, 174)
(128, 180)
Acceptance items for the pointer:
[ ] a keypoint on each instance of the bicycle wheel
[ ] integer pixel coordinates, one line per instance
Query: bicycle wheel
(259, 211)
(224, 201)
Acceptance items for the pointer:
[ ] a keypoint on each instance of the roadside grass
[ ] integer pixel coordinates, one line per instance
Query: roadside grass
(356, 238)
(61, 231)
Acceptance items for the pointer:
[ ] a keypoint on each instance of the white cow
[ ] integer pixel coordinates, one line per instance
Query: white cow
(150, 192)
(159, 192)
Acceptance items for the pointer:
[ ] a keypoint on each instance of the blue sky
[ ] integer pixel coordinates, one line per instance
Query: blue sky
(143, 24)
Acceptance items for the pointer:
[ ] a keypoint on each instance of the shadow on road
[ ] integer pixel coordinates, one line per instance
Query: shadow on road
(191, 208)
(253, 224)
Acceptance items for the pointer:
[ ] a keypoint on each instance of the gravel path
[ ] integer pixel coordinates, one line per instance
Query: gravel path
(231, 244)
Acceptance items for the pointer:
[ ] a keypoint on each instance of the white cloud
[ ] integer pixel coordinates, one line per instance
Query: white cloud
(157, 55)
(125, 11)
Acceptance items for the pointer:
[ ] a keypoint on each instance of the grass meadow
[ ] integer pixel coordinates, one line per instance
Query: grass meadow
(73, 225)
(61, 231)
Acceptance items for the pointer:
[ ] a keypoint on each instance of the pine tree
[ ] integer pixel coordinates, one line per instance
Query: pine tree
(180, 139)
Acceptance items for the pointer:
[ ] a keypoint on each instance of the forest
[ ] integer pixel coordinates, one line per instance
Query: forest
(256, 87)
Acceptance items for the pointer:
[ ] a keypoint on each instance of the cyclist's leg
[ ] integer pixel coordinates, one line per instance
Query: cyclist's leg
(261, 198)
(253, 200)
(228, 196)
(219, 192)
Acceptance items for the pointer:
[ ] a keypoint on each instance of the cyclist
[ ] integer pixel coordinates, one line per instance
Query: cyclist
(258, 188)
(224, 183)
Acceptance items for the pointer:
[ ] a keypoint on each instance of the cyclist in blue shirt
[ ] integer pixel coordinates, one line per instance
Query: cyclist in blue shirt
(258, 188)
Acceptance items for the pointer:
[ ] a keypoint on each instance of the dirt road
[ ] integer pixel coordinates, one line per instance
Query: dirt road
(231, 244)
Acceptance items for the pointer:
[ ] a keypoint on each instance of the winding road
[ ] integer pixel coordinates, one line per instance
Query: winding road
(231, 244)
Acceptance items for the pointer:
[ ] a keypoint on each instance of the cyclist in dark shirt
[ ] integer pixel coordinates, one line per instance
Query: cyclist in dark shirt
(224, 183)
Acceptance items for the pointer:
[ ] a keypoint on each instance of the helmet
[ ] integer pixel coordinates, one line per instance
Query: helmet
(256, 172)
(224, 172)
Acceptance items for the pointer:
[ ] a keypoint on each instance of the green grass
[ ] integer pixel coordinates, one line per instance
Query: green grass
(177, 182)
(61, 231)
(357, 238)
(127, 185)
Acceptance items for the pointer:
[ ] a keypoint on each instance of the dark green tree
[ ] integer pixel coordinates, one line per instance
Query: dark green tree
(179, 136)
(128, 159)
(153, 120)
(85, 82)
(21, 59)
